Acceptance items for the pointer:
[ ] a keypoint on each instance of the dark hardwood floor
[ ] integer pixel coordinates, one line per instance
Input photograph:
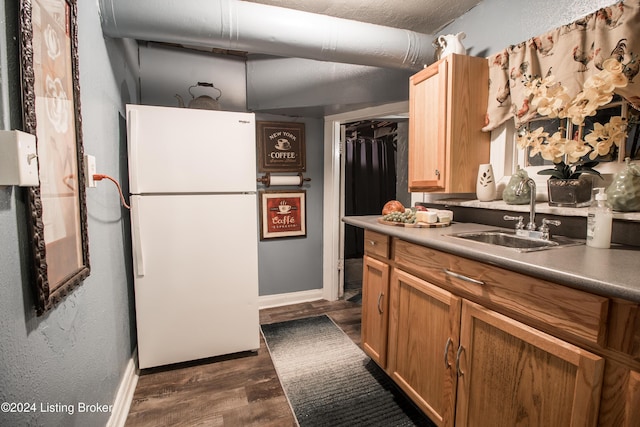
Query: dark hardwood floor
(240, 390)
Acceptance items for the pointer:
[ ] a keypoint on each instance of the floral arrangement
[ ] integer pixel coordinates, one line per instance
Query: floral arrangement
(549, 98)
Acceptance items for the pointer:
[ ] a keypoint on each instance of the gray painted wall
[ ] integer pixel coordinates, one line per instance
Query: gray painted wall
(402, 164)
(304, 87)
(495, 24)
(295, 264)
(78, 351)
(166, 71)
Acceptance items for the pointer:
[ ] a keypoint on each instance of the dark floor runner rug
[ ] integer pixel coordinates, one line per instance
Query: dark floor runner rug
(329, 381)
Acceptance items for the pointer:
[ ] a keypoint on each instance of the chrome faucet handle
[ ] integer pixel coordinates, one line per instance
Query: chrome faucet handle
(544, 228)
(520, 219)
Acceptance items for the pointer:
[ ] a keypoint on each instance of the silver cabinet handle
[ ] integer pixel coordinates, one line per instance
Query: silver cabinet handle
(372, 242)
(460, 350)
(379, 302)
(463, 277)
(447, 365)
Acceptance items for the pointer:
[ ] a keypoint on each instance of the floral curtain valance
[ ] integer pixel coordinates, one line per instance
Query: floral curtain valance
(571, 53)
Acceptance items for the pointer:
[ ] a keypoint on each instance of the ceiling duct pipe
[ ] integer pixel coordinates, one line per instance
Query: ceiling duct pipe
(257, 28)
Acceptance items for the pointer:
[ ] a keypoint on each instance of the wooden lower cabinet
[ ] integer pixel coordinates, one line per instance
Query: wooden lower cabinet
(620, 401)
(465, 364)
(511, 374)
(423, 337)
(632, 400)
(375, 303)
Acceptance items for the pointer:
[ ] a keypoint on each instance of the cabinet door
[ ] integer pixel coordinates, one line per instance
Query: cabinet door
(620, 402)
(427, 128)
(423, 336)
(511, 374)
(375, 303)
(632, 400)
(447, 108)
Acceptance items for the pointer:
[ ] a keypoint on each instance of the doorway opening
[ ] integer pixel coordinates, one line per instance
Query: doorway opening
(333, 193)
(373, 170)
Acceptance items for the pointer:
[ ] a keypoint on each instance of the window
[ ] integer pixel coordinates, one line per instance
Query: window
(617, 107)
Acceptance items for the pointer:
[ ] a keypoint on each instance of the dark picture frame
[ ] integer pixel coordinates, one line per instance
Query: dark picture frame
(283, 214)
(281, 147)
(51, 111)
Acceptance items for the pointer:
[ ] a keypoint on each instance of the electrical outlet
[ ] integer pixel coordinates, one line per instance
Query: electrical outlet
(89, 170)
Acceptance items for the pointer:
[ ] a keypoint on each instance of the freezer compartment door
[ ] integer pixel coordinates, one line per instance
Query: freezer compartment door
(196, 276)
(178, 150)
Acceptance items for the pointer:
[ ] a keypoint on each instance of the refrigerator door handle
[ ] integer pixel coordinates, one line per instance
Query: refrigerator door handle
(133, 150)
(138, 252)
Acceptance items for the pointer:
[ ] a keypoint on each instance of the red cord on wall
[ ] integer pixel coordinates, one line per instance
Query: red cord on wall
(100, 177)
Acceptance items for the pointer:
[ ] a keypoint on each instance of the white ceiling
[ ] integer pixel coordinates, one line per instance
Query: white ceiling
(423, 16)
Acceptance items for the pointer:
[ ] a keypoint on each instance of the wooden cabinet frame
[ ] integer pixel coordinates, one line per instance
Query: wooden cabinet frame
(571, 356)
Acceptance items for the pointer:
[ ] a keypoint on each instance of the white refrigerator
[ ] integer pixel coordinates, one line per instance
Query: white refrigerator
(192, 177)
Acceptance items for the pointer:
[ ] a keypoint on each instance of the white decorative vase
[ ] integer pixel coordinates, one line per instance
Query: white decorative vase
(486, 183)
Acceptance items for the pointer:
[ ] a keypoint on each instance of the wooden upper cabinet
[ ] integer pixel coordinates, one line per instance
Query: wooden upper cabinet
(447, 107)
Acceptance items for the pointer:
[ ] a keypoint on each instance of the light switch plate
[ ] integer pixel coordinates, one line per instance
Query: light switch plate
(18, 159)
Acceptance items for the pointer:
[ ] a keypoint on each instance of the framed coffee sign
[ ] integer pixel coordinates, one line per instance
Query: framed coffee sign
(280, 147)
(282, 214)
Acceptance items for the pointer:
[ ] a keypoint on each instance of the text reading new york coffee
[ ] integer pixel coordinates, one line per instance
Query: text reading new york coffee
(281, 147)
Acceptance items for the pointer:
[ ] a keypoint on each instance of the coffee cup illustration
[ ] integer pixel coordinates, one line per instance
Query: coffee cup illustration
(283, 144)
(284, 208)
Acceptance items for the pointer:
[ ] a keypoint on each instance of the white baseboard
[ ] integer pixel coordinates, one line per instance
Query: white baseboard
(124, 396)
(268, 301)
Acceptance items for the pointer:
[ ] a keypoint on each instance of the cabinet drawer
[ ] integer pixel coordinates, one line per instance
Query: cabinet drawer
(548, 306)
(376, 244)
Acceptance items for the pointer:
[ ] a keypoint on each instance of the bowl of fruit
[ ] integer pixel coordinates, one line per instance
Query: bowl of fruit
(394, 213)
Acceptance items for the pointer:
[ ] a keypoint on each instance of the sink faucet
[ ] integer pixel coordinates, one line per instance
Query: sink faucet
(543, 231)
(531, 226)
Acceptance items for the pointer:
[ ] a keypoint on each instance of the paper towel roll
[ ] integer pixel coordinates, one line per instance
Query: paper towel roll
(285, 180)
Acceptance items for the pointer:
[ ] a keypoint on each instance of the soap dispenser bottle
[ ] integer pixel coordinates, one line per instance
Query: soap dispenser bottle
(599, 220)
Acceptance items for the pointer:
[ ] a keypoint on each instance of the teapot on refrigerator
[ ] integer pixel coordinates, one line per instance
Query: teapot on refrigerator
(202, 102)
(450, 43)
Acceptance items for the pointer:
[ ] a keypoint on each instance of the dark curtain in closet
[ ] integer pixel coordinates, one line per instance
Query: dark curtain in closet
(370, 182)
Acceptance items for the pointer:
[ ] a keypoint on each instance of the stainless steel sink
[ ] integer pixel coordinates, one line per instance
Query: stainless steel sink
(510, 239)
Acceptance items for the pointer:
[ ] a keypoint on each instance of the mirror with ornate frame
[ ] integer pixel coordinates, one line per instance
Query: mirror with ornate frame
(51, 111)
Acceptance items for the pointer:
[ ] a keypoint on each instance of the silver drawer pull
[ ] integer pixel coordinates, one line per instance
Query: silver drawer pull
(447, 365)
(458, 354)
(463, 277)
(372, 243)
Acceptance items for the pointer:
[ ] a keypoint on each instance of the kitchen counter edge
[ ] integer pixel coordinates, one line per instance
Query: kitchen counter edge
(607, 272)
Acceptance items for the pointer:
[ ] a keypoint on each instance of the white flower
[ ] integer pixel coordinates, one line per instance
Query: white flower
(532, 139)
(554, 149)
(549, 98)
(603, 137)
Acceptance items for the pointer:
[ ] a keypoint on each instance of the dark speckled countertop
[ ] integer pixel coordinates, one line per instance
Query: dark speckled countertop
(613, 272)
